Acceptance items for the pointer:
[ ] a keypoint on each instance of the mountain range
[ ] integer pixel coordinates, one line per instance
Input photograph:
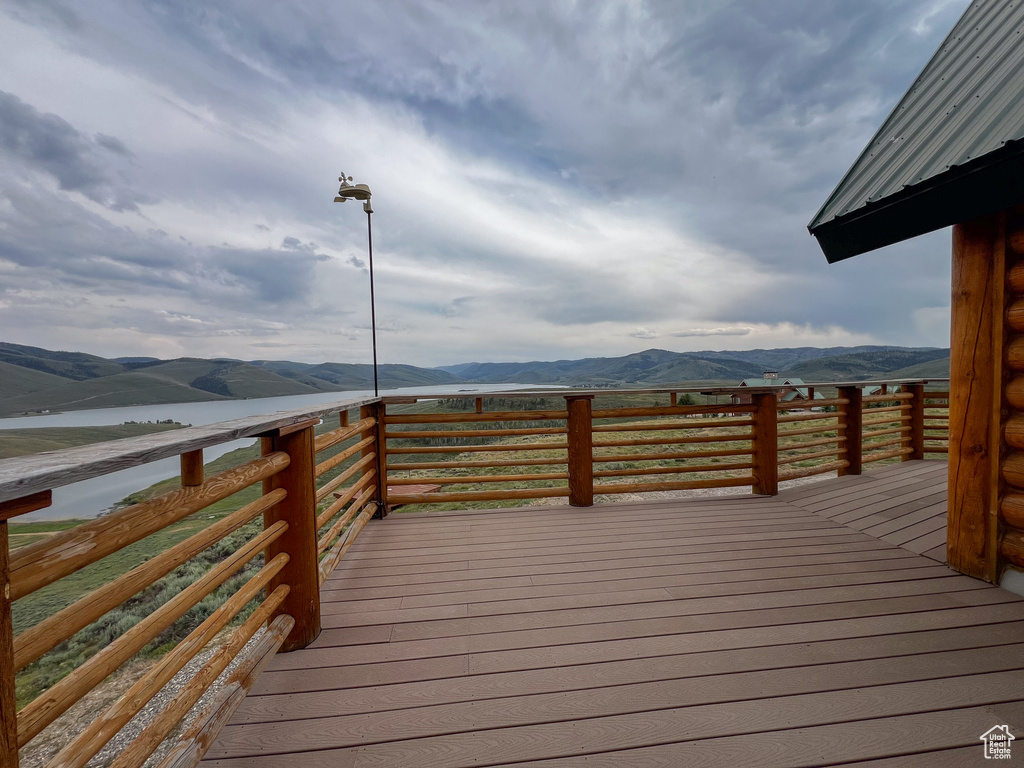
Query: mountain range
(34, 379)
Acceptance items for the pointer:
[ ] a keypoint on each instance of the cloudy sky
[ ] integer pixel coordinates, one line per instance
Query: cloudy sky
(550, 179)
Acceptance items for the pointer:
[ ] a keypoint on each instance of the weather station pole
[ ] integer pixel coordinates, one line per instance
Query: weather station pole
(346, 192)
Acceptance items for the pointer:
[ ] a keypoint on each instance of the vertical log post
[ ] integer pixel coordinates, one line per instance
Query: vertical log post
(298, 509)
(976, 384)
(342, 418)
(8, 710)
(766, 444)
(915, 440)
(851, 427)
(382, 461)
(192, 469)
(371, 411)
(581, 450)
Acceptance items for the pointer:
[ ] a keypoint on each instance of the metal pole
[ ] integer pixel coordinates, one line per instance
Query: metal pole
(373, 309)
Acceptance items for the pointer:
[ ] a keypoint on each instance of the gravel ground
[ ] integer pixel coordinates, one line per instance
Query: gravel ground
(70, 724)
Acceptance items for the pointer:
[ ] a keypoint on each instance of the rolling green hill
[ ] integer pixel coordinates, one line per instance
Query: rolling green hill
(16, 380)
(872, 364)
(34, 379)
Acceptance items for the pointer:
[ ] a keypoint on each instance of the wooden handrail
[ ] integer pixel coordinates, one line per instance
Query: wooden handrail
(24, 475)
(47, 634)
(44, 562)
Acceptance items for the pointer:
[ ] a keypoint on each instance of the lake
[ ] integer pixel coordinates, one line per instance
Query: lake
(90, 498)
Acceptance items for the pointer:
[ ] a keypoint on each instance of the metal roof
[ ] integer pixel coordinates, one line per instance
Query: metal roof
(947, 152)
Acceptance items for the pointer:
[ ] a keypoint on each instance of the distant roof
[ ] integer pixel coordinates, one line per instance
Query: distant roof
(949, 152)
(771, 382)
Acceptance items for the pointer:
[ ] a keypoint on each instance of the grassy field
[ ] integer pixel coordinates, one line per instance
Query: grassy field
(21, 442)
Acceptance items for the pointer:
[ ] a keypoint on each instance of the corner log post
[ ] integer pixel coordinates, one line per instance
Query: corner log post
(8, 702)
(377, 412)
(298, 509)
(766, 444)
(986, 377)
(851, 429)
(580, 460)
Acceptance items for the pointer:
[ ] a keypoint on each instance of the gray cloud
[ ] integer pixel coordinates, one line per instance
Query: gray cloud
(46, 143)
(691, 332)
(585, 175)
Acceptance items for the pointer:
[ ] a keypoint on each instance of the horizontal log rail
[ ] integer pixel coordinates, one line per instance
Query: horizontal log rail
(821, 469)
(411, 465)
(459, 479)
(807, 456)
(339, 435)
(671, 455)
(479, 448)
(495, 495)
(784, 433)
(834, 439)
(453, 433)
(886, 398)
(683, 485)
(269, 530)
(459, 418)
(690, 424)
(637, 441)
(328, 464)
(674, 470)
(46, 561)
(813, 404)
(622, 413)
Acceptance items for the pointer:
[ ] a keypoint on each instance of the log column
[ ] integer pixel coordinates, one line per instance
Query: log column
(766, 444)
(986, 460)
(581, 450)
(298, 509)
(376, 412)
(851, 429)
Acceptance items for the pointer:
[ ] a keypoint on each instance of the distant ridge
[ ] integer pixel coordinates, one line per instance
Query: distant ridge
(34, 379)
(656, 367)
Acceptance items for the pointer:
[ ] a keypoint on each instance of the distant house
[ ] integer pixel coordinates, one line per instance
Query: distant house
(789, 389)
(951, 153)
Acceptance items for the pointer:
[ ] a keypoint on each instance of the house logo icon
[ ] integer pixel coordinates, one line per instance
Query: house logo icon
(997, 742)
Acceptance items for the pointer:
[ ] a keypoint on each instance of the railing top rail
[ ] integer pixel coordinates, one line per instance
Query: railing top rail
(689, 390)
(25, 475)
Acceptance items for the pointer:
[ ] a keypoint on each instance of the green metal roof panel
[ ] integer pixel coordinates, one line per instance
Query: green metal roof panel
(962, 114)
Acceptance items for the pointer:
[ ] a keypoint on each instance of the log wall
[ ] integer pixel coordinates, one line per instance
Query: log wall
(986, 397)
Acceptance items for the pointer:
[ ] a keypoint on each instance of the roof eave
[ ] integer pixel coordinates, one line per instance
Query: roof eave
(988, 184)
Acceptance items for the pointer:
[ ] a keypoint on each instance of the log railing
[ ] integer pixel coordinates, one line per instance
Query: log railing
(479, 456)
(280, 520)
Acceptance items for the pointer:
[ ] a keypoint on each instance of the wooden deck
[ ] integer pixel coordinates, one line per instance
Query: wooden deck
(804, 629)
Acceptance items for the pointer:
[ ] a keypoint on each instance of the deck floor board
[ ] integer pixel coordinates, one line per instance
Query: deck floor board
(801, 629)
